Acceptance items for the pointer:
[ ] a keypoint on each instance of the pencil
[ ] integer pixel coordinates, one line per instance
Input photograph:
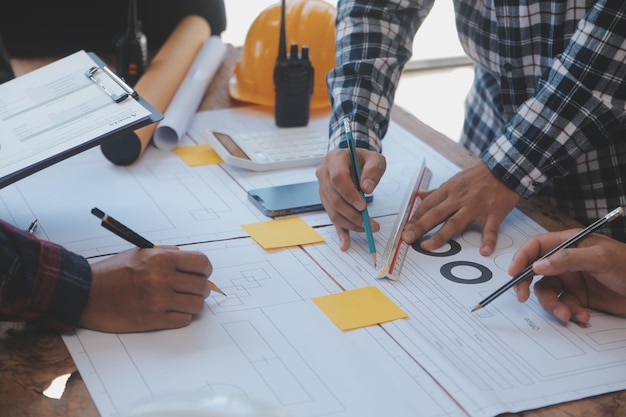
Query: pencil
(130, 236)
(357, 171)
(528, 271)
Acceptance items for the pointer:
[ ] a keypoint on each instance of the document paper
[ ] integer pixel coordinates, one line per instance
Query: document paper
(56, 108)
(268, 340)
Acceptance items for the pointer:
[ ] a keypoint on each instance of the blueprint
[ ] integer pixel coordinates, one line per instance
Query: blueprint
(170, 203)
(506, 357)
(268, 340)
(159, 197)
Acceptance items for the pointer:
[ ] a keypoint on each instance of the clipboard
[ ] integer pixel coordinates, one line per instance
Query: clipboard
(62, 109)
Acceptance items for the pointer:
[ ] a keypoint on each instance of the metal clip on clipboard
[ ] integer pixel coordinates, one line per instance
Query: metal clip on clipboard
(396, 250)
(118, 98)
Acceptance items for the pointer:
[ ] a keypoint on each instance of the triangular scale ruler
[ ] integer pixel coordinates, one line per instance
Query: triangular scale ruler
(396, 250)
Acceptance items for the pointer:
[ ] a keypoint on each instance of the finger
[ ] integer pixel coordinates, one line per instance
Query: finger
(185, 283)
(490, 236)
(341, 214)
(186, 303)
(578, 313)
(568, 260)
(547, 291)
(193, 262)
(430, 213)
(374, 167)
(522, 290)
(341, 180)
(172, 320)
(344, 238)
(452, 226)
(534, 248)
(374, 225)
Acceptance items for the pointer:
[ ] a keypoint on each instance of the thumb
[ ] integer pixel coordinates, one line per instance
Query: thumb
(565, 260)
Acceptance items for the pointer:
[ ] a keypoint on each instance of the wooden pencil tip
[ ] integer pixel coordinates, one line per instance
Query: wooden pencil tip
(216, 288)
(477, 307)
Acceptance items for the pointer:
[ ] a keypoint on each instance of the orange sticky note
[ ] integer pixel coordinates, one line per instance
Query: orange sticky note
(359, 308)
(282, 233)
(196, 155)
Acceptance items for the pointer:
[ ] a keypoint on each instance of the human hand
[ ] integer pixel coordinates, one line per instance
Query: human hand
(147, 289)
(472, 195)
(341, 199)
(592, 274)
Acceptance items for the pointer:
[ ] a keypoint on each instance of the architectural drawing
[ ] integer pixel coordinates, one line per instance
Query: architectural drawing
(505, 357)
(266, 340)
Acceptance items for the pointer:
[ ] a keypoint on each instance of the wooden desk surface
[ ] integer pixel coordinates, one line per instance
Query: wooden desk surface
(30, 358)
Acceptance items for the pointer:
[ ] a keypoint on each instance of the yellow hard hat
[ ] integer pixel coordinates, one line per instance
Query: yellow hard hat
(308, 23)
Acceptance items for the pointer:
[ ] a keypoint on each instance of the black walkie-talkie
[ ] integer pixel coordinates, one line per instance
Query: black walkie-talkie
(132, 48)
(293, 82)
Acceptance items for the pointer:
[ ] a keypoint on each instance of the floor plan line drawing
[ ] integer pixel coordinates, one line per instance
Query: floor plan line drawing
(169, 202)
(273, 343)
(268, 340)
(531, 359)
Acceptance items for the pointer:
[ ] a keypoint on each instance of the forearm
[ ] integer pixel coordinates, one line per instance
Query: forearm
(578, 102)
(373, 44)
(41, 282)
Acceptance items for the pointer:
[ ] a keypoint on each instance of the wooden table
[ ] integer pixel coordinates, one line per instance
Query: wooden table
(31, 358)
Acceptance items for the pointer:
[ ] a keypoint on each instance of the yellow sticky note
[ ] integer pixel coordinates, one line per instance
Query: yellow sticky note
(359, 308)
(196, 155)
(282, 233)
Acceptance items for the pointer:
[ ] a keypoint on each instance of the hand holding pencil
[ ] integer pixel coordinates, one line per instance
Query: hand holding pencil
(140, 290)
(590, 275)
(573, 240)
(357, 174)
(131, 236)
(580, 270)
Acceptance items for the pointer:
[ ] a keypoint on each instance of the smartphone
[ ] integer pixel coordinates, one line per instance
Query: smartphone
(283, 200)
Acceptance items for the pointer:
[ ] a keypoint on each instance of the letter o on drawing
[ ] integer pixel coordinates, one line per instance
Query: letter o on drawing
(447, 272)
(455, 248)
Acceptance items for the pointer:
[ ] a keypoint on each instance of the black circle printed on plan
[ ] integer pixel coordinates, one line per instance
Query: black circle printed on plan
(455, 248)
(485, 273)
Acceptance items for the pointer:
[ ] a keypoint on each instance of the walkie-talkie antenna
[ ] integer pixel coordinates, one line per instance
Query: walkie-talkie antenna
(132, 22)
(293, 81)
(282, 41)
(132, 58)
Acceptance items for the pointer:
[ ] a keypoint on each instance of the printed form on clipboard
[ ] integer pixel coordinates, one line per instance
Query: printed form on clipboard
(61, 109)
(247, 137)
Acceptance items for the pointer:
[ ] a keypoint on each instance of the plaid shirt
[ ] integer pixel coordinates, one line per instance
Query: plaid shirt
(41, 282)
(547, 110)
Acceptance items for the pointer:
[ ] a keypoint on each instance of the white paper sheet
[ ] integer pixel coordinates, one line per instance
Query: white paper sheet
(168, 202)
(267, 340)
(57, 108)
(507, 357)
(185, 102)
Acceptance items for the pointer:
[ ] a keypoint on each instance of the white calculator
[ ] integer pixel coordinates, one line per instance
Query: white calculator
(276, 149)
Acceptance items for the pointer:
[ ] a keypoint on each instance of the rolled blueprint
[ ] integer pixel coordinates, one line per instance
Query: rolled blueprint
(159, 83)
(185, 103)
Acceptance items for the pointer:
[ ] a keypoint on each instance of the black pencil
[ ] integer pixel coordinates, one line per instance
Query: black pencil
(131, 236)
(528, 271)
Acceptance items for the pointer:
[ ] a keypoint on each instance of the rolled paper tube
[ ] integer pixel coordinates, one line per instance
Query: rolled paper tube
(159, 84)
